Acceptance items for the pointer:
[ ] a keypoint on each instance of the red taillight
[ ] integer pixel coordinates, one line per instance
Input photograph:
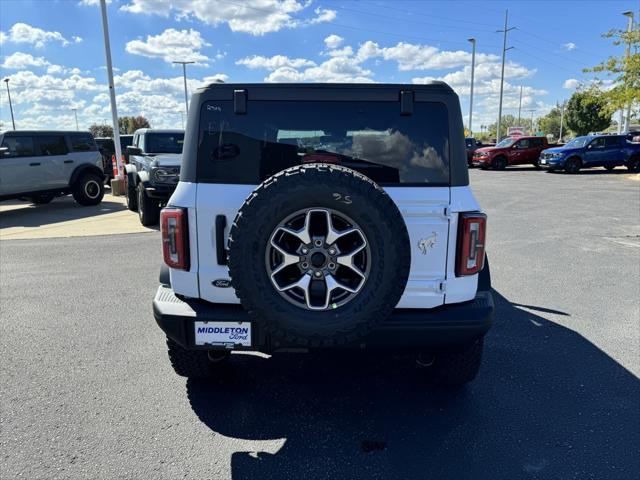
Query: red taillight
(175, 237)
(472, 227)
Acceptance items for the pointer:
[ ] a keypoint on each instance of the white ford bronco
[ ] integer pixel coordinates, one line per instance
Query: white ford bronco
(325, 216)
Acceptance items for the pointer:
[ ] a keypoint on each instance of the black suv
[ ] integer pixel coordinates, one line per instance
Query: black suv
(152, 171)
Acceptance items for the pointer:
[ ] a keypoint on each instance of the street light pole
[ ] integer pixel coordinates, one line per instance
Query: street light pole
(184, 76)
(504, 55)
(473, 68)
(13, 122)
(628, 14)
(532, 129)
(561, 121)
(520, 106)
(112, 91)
(75, 112)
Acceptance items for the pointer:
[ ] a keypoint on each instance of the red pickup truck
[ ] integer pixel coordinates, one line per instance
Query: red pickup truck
(511, 151)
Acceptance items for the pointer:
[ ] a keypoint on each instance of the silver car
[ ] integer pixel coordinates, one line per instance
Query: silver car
(41, 165)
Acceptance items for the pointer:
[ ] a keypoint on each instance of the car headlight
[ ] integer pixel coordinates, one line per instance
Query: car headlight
(167, 175)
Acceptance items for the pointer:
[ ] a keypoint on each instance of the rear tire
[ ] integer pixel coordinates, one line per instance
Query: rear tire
(196, 364)
(88, 189)
(42, 199)
(456, 368)
(148, 208)
(573, 165)
(499, 163)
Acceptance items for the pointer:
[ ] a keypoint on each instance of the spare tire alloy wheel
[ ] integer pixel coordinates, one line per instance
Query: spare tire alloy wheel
(318, 258)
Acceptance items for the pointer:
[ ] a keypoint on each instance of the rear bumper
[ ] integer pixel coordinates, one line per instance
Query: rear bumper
(448, 326)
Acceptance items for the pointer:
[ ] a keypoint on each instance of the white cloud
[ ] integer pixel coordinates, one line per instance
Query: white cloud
(571, 83)
(171, 45)
(256, 17)
(420, 57)
(333, 41)
(340, 52)
(570, 46)
(77, 39)
(336, 69)
(275, 62)
(24, 33)
(323, 15)
(19, 60)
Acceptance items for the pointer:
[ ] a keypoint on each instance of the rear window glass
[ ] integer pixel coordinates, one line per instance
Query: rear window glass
(52, 145)
(612, 141)
(371, 137)
(164, 142)
(82, 142)
(19, 146)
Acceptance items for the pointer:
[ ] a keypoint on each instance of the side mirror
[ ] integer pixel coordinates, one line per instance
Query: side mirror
(515, 146)
(4, 152)
(590, 146)
(134, 151)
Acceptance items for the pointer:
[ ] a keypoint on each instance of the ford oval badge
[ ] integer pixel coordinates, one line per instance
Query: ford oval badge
(222, 283)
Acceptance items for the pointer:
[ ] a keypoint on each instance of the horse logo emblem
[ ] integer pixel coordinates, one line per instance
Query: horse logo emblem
(426, 244)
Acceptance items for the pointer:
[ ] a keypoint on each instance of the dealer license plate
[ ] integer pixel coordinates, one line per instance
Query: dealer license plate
(223, 333)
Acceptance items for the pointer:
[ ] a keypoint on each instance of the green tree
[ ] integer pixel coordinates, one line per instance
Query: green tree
(550, 123)
(131, 124)
(623, 71)
(101, 130)
(587, 111)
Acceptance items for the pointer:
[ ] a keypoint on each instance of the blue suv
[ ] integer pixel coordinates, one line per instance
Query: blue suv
(608, 151)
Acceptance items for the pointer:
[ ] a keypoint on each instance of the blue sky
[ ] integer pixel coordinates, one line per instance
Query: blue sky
(53, 53)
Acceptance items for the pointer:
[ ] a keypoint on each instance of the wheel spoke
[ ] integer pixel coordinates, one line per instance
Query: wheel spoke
(287, 258)
(303, 284)
(333, 284)
(303, 234)
(332, 234)
(347, 260)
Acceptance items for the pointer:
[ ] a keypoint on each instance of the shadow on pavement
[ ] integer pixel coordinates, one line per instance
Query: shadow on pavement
(61, 209)
(547, 404)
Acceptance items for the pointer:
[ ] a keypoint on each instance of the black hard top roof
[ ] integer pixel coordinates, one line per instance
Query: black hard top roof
(46, 132)
(432, 85)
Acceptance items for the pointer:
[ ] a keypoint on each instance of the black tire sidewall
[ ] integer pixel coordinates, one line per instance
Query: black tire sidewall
(370, 208)
(79, 193)
(148, 209)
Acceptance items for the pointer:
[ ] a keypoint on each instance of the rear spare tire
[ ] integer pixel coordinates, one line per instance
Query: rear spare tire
(318, 255)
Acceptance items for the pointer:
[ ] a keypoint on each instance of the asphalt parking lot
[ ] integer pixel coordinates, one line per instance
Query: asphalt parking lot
(87, 390)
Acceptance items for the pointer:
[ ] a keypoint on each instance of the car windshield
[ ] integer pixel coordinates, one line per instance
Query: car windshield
(164, 142)
(578, 142)
(507, 142)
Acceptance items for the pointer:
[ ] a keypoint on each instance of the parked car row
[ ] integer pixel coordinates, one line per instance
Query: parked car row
(41, 165)
(608, 151)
